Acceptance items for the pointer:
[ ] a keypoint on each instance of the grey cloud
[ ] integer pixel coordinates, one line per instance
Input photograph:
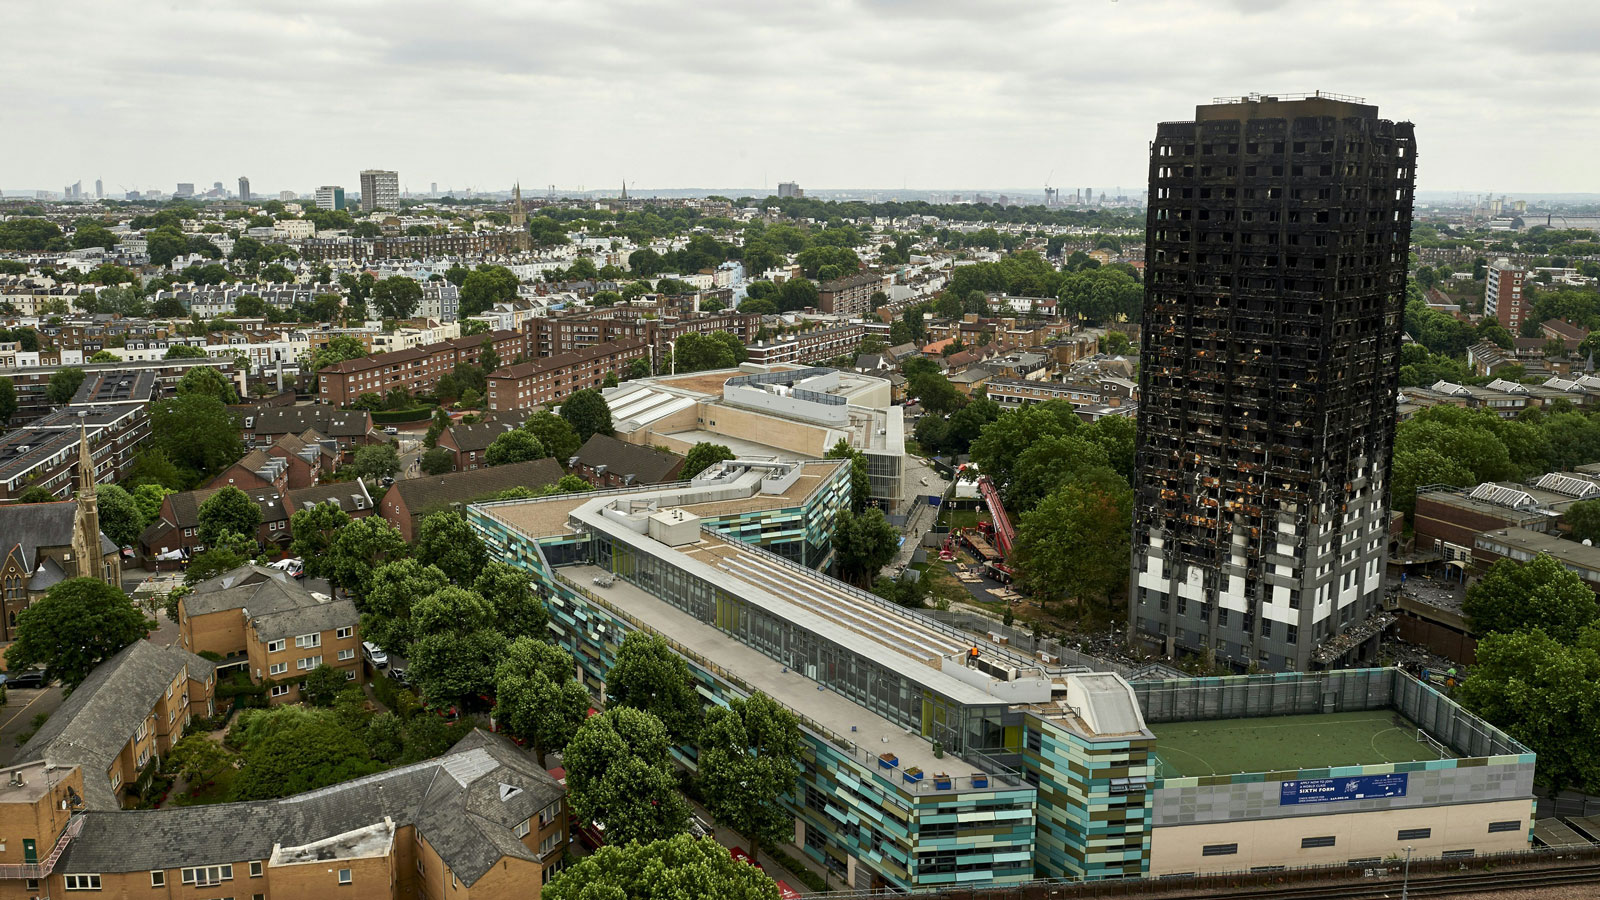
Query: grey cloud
(834, 93)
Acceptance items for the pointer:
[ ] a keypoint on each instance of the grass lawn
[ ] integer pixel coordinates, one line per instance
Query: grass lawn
(961, 518)
(216, 791)
(1286, 743)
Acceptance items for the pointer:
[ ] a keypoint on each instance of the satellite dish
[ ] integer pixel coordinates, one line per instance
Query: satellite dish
(1588, 543)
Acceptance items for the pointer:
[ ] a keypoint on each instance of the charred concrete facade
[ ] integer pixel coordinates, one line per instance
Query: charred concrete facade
(1275, 287)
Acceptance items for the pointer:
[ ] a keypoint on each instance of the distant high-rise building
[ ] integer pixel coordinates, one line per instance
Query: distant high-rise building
(1276, 254)
(789, 189)
(433, 188)
(99, 190)
(380, 189)
(244, 189)
(185, 189)
(330, 196)
(1088, 196)
(217, 186)
(1503, 297)
(288, 196)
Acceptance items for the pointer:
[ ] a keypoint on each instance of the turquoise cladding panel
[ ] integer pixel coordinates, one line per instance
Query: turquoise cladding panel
(1092, 824)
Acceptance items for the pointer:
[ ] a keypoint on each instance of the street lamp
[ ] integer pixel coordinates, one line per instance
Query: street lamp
(1405, 881)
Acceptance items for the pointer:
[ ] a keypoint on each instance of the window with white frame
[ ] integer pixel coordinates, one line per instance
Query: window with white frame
(274, 646)
(308, 662)
(158, 878)
(344, 876)
(200, 876)
(308, 640)
(550, 843)
(280, 690)
(346, 655)
(549, 813)
(349, 674)
(82, 882)
(346, 631)
(255, 869)
(277, 668)
(523, 828)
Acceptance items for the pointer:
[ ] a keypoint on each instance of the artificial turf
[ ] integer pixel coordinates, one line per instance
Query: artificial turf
(1286, 743)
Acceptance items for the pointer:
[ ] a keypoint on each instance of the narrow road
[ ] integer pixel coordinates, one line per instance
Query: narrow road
(17, 716)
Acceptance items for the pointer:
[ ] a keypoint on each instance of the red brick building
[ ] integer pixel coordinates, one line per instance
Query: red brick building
(415, 369)
(549, 379)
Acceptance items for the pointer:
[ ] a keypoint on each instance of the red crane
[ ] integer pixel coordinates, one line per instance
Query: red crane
(1004, 534)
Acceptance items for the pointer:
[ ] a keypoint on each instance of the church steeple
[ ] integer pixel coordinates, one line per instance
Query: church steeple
(86, 527)
(519, 216)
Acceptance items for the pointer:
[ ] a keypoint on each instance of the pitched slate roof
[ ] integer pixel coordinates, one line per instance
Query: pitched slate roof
(478, 435)
(639, 465)
(347, 495)
(432, 491)
(296, 419)
(27, 527)
(305, 619)
(98, 719)
(455, 801)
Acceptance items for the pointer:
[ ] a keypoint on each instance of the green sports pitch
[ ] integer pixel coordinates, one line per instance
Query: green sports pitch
(1287, 743)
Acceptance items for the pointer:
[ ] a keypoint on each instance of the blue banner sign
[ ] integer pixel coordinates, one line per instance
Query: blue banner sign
(1355, 787)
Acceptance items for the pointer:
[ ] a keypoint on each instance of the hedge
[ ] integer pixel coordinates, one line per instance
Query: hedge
(396, 416)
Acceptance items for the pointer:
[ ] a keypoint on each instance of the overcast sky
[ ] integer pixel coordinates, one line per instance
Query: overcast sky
(930, 94)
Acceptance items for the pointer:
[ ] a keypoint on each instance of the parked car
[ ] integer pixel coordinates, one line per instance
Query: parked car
(398, 674)
(390, 429)
(27, 678)
(375, 654)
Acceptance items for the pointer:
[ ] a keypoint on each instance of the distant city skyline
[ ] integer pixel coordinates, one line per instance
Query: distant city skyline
(914, 95)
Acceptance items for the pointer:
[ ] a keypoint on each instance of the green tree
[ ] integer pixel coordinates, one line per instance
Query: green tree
(209, 382)
(1541, 593)
(1003, 440)
(749, 760)
(484, 288)
(445, 540)
(104, 356)
(1116, 344)
(1546, 695)
(198, 758)
(8, 400)
(63, 384)
(697, 352)
(1051, 462)
(148, 497)
(513, 447)
(1115, 435)
(518, 611)
(322, 685)
(337, 350)
(649, 677)
(454, 646)
(863, 544)
(555, 434)
(75, 626)
(437, 461)
(538, 698)
(934, 392)
(702, 456)
(588, 413)
(196, 433)
(36, 494)
(358, 549)
(385, 737)
(396, 297)
(375, 461)
(230, 510)
(672, 869)
(120, 518)
(1583, 518)
(313, 752)
(620, 776)
(860, 480)
(313, 531)
(184, 351)
(386, 607)
(1074, 544)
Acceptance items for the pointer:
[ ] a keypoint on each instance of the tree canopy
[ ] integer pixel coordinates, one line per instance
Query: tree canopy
(620, 776)
(228, 510)
(678, 867)
(863, 544)
(1541, 593)
(750, 759)
(701, 457)
(537, 696)
(649, 677)
(75, 626)
(514, 446)
(588, 413)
